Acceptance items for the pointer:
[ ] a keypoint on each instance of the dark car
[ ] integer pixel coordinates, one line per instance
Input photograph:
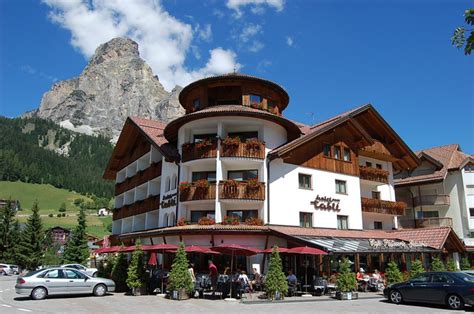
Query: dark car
(454, 289)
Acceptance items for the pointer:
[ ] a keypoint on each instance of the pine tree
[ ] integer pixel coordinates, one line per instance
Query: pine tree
(32, 241)
(7, 225)
(62, 208)
(136, 270)
(346, 280)
(180, 278)
(416, 268)
(465, 264)
(275, 280)
(437, 265)
(76, 250)
(12, 255)
(119, 273)
(451, 265)
(393, 273)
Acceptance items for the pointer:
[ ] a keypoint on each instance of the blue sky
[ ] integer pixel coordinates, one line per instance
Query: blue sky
(329, 55)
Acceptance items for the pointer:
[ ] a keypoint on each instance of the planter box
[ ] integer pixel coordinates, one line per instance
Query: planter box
(179, 295)
(347, 295)
(139, 291)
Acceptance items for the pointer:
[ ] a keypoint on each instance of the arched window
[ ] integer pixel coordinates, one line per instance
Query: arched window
(165, 220)
(171, 221)
(174, 182)
(167, 184)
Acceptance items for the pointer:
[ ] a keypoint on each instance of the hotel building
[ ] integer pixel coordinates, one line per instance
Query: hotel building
(233, 169)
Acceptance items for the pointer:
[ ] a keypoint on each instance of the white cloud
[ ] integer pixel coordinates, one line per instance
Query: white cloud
(204, 33)
(164, 40)
(289, 41)
(256, 46)
(257, 6)
(263, 65)
(28, 69)
(249, 31)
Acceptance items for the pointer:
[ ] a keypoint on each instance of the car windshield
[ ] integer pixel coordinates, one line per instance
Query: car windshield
(34, 272)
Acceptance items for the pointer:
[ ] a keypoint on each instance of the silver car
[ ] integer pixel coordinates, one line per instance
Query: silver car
(53, 281)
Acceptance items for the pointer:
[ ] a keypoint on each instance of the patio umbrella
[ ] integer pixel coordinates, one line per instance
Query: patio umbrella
(235, 249)
(156, 248)
(306, 250)
(270, 250)
(111, 249)
(152, 261)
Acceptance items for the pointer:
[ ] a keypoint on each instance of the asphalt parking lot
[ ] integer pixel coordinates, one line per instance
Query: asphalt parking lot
(10, 302)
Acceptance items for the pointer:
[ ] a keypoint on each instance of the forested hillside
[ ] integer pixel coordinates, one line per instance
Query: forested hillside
(39, 151)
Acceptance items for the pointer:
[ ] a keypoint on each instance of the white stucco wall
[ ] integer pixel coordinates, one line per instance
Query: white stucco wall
(287, 200)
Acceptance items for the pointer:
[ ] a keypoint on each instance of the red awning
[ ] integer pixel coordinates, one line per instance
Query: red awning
(306, 250)
(235, 249)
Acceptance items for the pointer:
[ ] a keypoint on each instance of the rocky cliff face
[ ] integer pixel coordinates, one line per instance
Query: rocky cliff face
(116, 84)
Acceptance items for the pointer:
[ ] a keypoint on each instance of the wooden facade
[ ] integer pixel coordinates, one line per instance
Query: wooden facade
(242, 191)
(195, 193)
(137, 208)
(311, 154)
(150, 173)
(244, 151)
(192, 151)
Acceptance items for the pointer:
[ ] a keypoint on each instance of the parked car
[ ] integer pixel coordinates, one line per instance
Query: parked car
(8, 270)
(39, 284)
(89, 271)
(454, 289)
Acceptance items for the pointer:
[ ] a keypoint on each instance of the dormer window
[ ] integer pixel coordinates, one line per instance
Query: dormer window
(196, 104)
(327, 150)
(255, 100)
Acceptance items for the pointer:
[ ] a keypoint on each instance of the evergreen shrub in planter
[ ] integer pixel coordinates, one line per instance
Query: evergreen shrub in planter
(346, 282)
(180, 282)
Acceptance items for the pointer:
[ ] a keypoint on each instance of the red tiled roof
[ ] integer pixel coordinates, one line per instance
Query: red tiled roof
(154, 129)
(449, 156)
(434, 237)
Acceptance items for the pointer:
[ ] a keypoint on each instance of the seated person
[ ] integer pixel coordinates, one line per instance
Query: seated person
(292, 281)
(244, 279)
(333, 278)
(376, 275)
(257, 280)
(360, 274)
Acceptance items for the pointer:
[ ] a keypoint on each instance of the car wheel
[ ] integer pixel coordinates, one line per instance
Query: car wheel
(455, 302)
(100, 290)
(395, 297)
(94, 274)
(39, 293)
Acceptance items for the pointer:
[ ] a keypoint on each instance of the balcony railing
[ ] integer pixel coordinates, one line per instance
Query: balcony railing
(205, 149)
(242, 191)
(425, 222)
(197, 193)
(139, 178)
(245, 150)
(373, 174)
(137, 208)
(372, 205)
(428, 200)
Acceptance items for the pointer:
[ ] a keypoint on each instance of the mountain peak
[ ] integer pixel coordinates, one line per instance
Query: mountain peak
(115, 48)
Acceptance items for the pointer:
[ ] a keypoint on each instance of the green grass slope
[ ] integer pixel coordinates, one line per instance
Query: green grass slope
(50, 199)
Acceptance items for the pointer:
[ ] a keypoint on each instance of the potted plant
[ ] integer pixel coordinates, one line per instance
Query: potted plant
(253, 144)
(230, 220)
(276, 285)
(346, 282)
(187, 147)
(204, 144)
(393, 273)
(180, 282)
(254, 221)
(206, 221)
(182, 222)
(136, 273)
(253, 184)
(184, 187)
(119, 273)
(230, 144)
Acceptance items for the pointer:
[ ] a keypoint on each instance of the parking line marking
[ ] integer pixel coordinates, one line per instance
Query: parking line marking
(5, 305)
(24, 310)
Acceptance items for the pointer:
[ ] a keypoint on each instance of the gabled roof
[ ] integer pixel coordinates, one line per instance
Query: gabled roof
(446, 157)
(152, 130)
(349, 116)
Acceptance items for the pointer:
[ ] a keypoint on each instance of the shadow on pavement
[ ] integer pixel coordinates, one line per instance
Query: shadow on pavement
(469, 309)
(64, 296)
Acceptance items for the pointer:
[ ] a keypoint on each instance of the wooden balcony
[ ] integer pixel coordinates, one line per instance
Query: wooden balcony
(431, 200)
(425, 223)
(242, 191)
(192, 151)
(373, 174)
(244, 150)
(139, 178)
(137, 208)
(195, 193)
(372, 205)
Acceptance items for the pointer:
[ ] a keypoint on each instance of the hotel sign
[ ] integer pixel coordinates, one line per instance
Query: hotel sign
(387, 244)
(169, 200)
(326, 203)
